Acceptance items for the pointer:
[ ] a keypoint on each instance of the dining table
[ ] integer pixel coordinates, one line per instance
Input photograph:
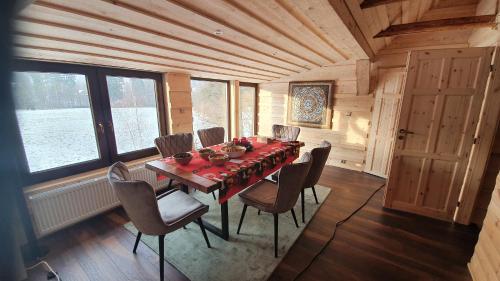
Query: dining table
(265, 157)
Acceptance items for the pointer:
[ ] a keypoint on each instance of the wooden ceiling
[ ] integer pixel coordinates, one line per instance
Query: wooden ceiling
(252, 41)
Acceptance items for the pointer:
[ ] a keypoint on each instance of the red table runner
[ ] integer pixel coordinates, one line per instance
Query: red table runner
(275, 155)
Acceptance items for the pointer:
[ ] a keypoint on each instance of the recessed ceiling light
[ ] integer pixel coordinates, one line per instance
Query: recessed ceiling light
(218, 32)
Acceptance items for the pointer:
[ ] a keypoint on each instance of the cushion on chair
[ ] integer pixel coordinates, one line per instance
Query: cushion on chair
(261, 196)
(178, 209)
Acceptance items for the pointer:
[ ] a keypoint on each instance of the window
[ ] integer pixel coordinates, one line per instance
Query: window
(55, 119)
(247, 109)
(210, 105)
(75, 118)
(133, 110)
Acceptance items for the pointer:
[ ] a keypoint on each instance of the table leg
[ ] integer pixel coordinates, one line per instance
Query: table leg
(224, 231)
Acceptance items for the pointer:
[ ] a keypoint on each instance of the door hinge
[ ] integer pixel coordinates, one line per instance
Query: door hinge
(492, 67)
(458, 204)
(476, 140)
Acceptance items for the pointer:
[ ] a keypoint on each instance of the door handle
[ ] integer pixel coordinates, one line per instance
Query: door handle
(406, 132)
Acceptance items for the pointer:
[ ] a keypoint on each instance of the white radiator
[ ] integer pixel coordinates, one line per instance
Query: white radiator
(68, 204)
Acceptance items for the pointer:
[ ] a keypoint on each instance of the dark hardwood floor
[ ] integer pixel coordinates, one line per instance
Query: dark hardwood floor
(375, 244)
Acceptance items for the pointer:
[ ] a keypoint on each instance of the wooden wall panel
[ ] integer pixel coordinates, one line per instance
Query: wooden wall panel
(351, 114)
(485, 262)
(178, 95)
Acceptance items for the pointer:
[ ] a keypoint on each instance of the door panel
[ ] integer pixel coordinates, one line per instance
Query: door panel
(439, 112)
(384, 117)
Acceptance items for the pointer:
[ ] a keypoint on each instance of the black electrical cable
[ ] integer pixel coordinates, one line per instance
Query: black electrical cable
(337, 224)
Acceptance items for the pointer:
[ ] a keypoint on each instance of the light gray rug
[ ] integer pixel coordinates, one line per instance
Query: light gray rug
(247, 256)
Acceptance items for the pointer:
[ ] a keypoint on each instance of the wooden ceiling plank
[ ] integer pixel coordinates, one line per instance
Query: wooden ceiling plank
(51, 42)
(233, 16)
(250, 43)
(42, 27)
(439, 25)
(271, 14)
(92, 18)
(339, 47)
(119, 58)
(374, 3)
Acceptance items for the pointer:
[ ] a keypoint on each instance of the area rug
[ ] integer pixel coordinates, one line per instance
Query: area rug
(247, 256)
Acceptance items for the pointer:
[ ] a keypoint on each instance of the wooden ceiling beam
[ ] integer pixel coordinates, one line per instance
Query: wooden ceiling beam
(374, 3)
(124, 59)
(438, 25)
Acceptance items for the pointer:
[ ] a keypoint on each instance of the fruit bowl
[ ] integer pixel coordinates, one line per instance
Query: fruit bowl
(206, 152)
(183, 158)
(234, 151)
(218, 159)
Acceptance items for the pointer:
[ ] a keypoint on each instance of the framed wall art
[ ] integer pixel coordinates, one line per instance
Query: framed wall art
(310, 104)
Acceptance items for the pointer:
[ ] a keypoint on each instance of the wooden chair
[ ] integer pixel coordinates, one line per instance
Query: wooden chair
(267, 198)
(211, 136)
(153, 215)
(288, 133)
(319, 157)
(173, 144)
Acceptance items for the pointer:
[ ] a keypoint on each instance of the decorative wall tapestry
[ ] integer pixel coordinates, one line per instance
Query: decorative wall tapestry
(310, 104)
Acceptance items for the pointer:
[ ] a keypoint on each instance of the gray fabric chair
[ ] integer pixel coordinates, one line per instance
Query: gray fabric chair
(153, 215)
(211, 136)
(288, 133)
(267, 198)
(320, 156)
(173, 144)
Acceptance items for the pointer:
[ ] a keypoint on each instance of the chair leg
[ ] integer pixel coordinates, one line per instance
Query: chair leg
(302, 204)
(258, 213)
(137, 241)
(202, 227)
(162, 250)
(241, 218)
(213, 194)
(315, 197)
(294, 217)
(275, 235)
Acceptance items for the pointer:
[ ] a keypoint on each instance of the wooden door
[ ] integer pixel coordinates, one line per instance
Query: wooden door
(442, 98)
(385, 110)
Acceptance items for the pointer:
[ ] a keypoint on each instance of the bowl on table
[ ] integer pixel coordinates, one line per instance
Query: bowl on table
(234, 151)
(183, 158)
(206, 152)
(218, 159)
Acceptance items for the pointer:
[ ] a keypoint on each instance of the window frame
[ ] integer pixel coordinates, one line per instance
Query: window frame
(100, 110)
(228, 100)
(108, 119)
(256, 110)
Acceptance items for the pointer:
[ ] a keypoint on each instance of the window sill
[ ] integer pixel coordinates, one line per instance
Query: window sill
(49, 185)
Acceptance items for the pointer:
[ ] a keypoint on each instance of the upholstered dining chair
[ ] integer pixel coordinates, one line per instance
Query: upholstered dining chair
(267, 198)
(173, 144)
(211, 136)
(153, 215)
(283, 132)
(319, 157)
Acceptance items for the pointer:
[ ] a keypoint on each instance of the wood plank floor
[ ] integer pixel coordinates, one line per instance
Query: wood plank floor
(375, 244)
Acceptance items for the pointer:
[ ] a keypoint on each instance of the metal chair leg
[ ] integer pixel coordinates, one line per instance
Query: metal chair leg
(315, 197)
(302, 204)
(137, 239)
(202, 227)
(162, 250)
(241, 218)
(213, 194)
(275, 235)
(294, 217)
(258, 213)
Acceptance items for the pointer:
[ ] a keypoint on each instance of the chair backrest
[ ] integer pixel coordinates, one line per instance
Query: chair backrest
(290, 183)
(319, 155)
(283, 132)
(211, 136)
(138, 199)
(173, 144)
